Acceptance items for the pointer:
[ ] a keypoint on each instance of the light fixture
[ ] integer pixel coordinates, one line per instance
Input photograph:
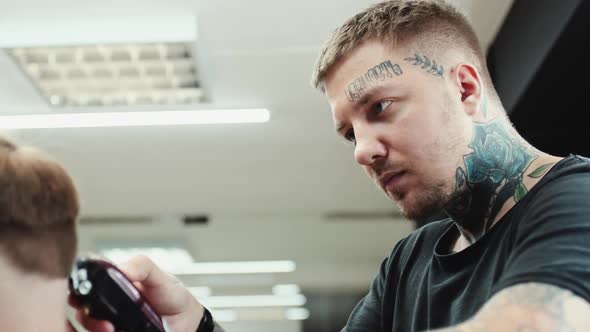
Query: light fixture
(113, 74)
(224, 315)
(248, 301)
(290, 289)
(297, 314)
(200, 292)
(121, 119)
(177, 260)
(175, 255)
(126, 27)
(166, 254)
(259, 314)
(245, 267)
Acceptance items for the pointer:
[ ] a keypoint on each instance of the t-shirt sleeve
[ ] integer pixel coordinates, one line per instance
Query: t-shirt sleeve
(366, 316)
(552, 241)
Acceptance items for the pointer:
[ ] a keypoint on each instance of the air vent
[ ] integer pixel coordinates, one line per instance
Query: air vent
(346, 216)
(200, 219)
(121, 220)
(113, 74)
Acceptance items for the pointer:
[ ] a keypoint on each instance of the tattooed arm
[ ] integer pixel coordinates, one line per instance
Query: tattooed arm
(530, 307)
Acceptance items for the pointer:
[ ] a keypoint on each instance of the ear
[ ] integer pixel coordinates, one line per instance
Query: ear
(470, 86)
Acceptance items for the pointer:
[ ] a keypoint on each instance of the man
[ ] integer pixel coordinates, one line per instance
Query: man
(38, 213)
(408, 86)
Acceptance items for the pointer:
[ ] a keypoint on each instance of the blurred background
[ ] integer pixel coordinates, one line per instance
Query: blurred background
(270, 222)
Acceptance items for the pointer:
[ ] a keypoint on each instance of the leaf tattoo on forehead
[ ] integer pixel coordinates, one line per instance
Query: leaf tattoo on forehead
(429, 65)
(379, 73)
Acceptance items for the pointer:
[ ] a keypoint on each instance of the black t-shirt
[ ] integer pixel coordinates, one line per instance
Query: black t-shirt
(544, 238)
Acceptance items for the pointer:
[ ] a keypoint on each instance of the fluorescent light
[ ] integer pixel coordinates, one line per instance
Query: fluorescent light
(177, 260)
(224, 315)
(166, 257)
(290, 289)
(248, 301)
(121, 119)
(200, 292)
(24, 31)
(297, 314)
(259, 314)
(236, 268)
(175, 256)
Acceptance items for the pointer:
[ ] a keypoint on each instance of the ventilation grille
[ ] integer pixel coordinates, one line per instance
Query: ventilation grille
(113, 75)
(126, 220)
(348, 216)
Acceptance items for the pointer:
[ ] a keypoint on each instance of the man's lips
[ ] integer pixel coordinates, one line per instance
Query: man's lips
(391, 180)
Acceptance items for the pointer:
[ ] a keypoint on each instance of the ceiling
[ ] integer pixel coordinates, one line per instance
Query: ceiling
(265, 187)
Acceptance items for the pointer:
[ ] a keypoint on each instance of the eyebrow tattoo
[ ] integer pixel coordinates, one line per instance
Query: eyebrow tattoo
(427, 64)
(380, 72)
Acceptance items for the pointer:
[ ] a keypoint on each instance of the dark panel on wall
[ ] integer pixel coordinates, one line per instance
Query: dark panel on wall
(529, 32)
(552, 113)
(548, 108)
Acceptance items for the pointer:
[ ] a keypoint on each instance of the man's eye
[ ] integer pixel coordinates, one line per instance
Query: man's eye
(349, 136)
(381, 106)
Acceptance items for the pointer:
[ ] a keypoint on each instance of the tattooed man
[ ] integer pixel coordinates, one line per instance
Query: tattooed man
(408, 86)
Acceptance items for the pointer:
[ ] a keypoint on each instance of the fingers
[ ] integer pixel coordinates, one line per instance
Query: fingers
(142, 269)
(162, 290)
(92, 324)
(73, 302)
(86, 321)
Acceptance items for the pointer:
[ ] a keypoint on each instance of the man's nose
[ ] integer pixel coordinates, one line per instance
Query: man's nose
(369, 148)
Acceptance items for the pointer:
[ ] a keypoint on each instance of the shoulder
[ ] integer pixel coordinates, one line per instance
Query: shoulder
(570, 169)
(560, 202)
(567, 183)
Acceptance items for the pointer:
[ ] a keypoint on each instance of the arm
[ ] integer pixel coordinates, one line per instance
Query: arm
(530, 307)
(366, 316)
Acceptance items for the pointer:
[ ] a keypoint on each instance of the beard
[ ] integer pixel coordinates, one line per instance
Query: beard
(419, 205)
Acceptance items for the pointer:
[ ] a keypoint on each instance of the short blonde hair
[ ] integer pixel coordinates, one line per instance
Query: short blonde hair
(399, 21)
(38, 212)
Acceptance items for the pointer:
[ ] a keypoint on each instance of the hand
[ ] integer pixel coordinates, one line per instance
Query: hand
(169, 298)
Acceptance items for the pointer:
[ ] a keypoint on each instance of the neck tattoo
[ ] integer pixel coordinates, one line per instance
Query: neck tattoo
(492, 175)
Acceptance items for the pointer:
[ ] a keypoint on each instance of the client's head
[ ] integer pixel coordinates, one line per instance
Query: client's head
(38, 217)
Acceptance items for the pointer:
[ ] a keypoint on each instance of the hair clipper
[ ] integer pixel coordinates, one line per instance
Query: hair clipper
(101, 287)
